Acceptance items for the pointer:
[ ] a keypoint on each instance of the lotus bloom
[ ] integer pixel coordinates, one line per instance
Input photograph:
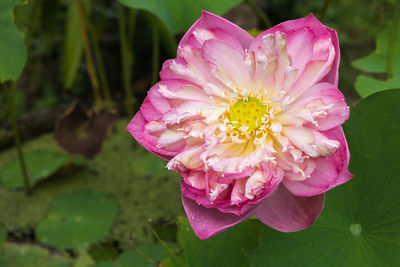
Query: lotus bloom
(253, 125)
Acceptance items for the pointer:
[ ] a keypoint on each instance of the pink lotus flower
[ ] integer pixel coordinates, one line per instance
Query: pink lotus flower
(253, 125)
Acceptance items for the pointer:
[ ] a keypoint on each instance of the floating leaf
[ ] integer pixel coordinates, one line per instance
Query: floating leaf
(33, 256)
(78, 219)
(179, 15)
(153, 251)
(360, 222)
(83, 133)
(39, 164)
(225, 249)
(376, 62)
(12, 47)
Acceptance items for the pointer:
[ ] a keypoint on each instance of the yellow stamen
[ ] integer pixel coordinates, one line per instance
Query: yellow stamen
(247, 113)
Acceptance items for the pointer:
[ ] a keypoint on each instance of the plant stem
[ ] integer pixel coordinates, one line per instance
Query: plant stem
(156, 51)
(392, 41)
(131, 25)
(10, 102)
(260, 13)
(88, 56)
(322, 13)
(126, 59)
(100, 65)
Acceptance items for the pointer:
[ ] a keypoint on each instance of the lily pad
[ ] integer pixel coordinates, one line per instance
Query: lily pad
(179, 15)
(153, 251)
(76, 220)
(12, 47)
(360, 222)
(33, 256)
(40, 165)
(132, 258)
(225, 249)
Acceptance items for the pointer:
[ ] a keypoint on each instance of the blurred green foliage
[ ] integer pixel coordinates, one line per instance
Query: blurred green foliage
(73, 41)
(377, 62)
(179, 15)
(12, 47)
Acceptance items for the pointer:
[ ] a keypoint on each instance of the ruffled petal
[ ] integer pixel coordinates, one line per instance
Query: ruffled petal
(322, 107)
(229, 69)
(313, 51)
(289, 213)
(310, 141)
(329, 173)
(137, 128)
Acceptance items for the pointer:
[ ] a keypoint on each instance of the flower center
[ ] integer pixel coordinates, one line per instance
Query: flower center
(247, 113)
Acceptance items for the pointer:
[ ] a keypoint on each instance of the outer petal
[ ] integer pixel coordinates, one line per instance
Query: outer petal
(318, 29)
(289, 213)
(210, 21)
(207, 222)
(330, 172)
(312, 48)
(136, 128)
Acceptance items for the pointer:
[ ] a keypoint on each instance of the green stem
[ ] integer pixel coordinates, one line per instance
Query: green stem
(392, 41)
(260, 13)
(100, 65)
(88, 56)
(131, 25)
(156, 52)
(322, 13)
(126, 59)
(10, 103)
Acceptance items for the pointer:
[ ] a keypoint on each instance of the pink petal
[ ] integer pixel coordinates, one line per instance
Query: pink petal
(211, 21)
(230, 67)
(300, 47)
(322, 104)
(207, 222)
(137, 128)
(333, 75)
(289, 213)
(330, 172)
(312, 68)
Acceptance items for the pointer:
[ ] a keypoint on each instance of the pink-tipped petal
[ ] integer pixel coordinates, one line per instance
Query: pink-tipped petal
(331, 171)
(211, 21)
(207, 222)
(322, 106)
(286, 212)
